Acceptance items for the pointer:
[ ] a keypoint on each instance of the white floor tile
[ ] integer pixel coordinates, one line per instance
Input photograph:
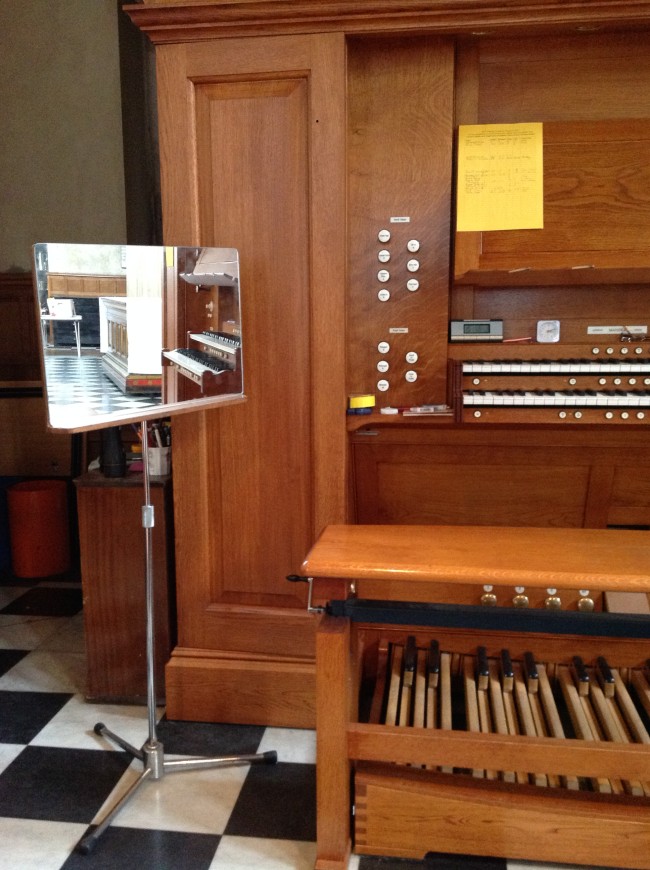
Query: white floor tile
(291, 744)
(10, 593)
(46, 672)
(27, 632)
(73, 726)
(249, 853)
(34, 845)
(9, 751)
(197, 801)
(69, 638)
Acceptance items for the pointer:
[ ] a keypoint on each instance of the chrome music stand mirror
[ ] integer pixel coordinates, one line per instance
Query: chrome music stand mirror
(162, 337)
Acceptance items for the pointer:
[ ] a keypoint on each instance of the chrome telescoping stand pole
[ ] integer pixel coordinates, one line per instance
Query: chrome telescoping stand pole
(152, 754)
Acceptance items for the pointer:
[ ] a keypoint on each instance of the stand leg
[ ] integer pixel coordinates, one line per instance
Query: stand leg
(89, 841)
(103, 731)
(152, 754)
(197, 763)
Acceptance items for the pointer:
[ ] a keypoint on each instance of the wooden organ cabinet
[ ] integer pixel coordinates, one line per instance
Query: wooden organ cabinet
(314, 137)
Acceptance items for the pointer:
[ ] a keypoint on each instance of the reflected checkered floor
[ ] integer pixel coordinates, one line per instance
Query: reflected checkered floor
(77, 385)
(56, 775)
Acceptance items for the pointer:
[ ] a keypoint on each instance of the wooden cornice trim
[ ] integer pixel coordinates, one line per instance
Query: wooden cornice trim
(184, 21)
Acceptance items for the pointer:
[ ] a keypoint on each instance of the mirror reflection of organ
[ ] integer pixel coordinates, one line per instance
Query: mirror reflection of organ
(148, 299)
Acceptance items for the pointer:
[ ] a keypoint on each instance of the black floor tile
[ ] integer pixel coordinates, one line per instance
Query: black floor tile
(9, 658)
(8, 578)
(47, 601)
(206, 738)
(372, 863)
(24, 714)
(120, 848)
(433, 861)
(61, 785)
(442, 861)
(277, 801)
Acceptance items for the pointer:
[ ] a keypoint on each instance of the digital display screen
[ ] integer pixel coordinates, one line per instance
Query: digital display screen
(476, 328)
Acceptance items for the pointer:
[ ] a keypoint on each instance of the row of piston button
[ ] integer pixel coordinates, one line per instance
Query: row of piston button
(611, 350)
(577, 415)
(551, 602)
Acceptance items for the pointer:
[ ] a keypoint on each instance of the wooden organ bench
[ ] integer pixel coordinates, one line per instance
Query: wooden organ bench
(546, 755)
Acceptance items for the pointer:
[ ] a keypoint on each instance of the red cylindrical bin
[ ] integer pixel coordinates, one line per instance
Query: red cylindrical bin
(39, 532)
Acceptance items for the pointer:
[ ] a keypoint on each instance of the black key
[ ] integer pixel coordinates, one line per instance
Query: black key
(482, 668)
(531, 672)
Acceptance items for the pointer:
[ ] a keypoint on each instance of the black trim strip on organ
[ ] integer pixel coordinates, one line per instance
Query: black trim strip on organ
(630, 625)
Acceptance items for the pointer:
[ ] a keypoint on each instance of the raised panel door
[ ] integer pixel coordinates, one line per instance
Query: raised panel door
(252, 157)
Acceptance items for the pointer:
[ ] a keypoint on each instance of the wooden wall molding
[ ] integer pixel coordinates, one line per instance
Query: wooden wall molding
(173, 21)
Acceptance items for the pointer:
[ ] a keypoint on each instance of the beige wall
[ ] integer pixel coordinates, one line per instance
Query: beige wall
(61, 165)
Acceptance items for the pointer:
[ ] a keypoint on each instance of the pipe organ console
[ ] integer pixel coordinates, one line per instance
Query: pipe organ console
(210, 363)
(603, 389)
(508, 731)
(208, 356)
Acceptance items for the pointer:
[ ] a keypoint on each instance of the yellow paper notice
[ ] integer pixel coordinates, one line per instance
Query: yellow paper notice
(500, 177)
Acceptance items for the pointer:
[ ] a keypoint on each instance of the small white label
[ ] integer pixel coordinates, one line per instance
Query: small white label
(400, 220)
(616, 330)
(398, 330)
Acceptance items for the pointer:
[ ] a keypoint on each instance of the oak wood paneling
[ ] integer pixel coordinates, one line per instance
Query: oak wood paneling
(584, 77)
(85, 286)
(400, 123)
(505, 477)
(262, 171)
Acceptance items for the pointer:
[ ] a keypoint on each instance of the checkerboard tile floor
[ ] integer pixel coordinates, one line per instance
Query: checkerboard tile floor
(78, 385)
(57, 776)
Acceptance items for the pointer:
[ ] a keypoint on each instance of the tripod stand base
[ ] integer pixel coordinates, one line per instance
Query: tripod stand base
(152, 755)
(155, 767)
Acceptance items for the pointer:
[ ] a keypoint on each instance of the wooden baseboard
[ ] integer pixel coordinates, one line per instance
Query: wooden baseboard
(212, 687)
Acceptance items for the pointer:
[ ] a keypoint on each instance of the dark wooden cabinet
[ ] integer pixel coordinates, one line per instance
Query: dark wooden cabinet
(112, 545)
(28, 446)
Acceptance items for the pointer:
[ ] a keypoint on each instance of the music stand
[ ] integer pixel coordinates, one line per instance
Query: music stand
(152, 754)
(197, 294)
